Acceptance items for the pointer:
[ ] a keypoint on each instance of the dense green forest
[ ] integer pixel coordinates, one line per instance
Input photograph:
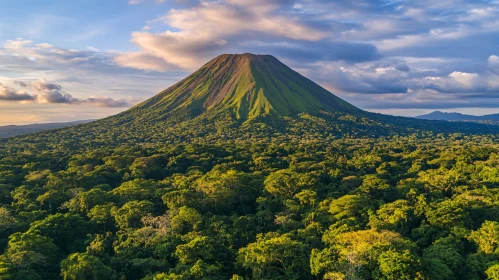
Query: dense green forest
(247, 170)
(412, 207)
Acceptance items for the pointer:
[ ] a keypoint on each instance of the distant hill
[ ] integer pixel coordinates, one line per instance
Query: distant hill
(15, 130)
(437, 115)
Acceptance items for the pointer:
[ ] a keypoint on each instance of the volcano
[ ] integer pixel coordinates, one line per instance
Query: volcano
(245, 87)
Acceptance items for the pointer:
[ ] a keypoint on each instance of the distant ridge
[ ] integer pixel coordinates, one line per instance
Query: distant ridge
(15, 130)
(438, 115)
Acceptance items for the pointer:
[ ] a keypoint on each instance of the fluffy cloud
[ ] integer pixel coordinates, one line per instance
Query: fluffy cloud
(26, 51)
(50, 93)
(211, 27)
(494, 64)
(10, 94)
(144, 61)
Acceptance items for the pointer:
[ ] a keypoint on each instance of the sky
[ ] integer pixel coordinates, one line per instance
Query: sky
(66, 60)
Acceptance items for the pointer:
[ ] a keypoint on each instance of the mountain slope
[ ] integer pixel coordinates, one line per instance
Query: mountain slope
(15, 130)
(245, 86)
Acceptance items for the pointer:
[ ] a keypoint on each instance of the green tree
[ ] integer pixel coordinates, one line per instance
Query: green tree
(275, 256)
(286, 183)
(131, 213)
(395, 265)
(487, 237)
(493, 272)
(138, 189)
(83, 266)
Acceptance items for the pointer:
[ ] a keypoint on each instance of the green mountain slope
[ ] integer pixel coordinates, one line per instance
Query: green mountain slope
(247, 86)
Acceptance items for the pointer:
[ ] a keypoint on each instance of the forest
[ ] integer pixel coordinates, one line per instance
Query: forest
(248, 170)
(415, 206)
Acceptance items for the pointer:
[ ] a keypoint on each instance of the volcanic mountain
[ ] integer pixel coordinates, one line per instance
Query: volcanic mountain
(246, 87)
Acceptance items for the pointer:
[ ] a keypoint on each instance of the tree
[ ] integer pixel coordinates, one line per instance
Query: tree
(7, 220)
(131, 213)
(33, 252)
(324, 262)
(350, 206)
(402, 265)
(102, 215)
(493, 272)
(68, 231)
(138, 189)
(226, 191)
(444, 256)
(395, 216)
(361, 249)
(275, 256)
(147, 167)
(83, 266)
(203, 256)
(186, 220)
(378, 188)
(286, 183)
(84, 201)
(487, 237)
(448, 214)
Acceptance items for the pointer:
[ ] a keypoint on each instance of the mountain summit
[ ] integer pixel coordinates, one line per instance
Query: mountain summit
(245, 86)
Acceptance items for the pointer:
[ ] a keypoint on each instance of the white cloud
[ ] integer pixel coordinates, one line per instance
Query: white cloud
(467, 80)
(203, 31)
(493, 62)
(143, 61)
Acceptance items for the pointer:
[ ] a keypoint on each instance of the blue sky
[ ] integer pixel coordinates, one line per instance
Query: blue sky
(66, 60)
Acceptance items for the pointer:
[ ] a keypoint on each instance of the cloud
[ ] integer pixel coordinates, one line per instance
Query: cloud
(50, 93)
(389, 77)
(10, 94)
(21, 52)
(493, 63)
(199, 33)
(144, 61)
(83, 73)
(107, 102)
(136, 2)
(21, 84)
(472, 84)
